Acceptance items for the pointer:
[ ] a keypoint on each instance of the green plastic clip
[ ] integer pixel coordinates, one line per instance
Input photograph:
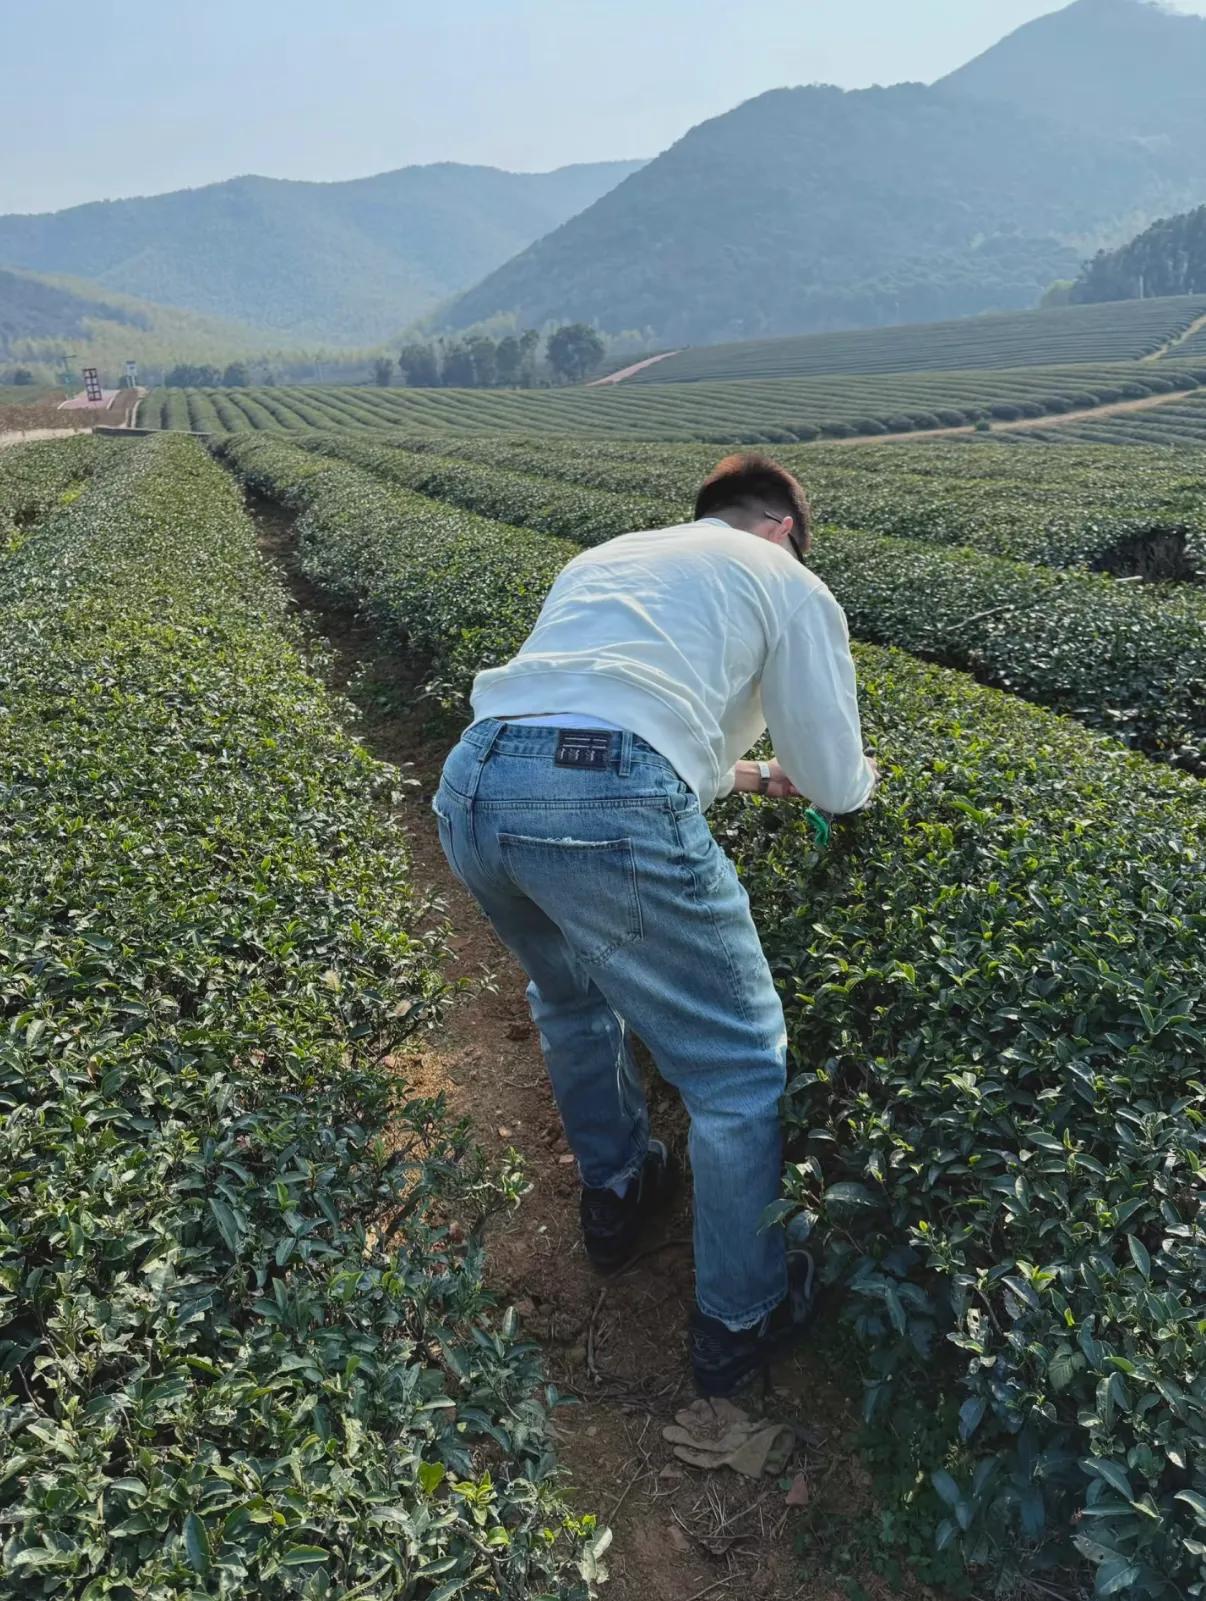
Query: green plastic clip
(820, 826)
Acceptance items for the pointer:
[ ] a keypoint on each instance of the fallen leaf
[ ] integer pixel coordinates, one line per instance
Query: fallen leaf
(799, 1494)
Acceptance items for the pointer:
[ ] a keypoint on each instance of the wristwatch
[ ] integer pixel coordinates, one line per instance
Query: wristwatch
(764, 778)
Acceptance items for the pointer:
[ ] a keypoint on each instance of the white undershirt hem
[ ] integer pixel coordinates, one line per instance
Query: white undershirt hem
(563, 720)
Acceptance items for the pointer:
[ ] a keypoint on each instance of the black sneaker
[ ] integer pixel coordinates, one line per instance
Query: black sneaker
(723, 1360)
(612, 1224)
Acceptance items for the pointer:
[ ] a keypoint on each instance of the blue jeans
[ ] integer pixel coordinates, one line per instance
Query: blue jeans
(624, 912)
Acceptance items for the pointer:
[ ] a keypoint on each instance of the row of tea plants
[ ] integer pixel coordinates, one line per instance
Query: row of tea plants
(38, 476)
(780, 411)
(1102, 509)
(1125, 330)
(244, 1340)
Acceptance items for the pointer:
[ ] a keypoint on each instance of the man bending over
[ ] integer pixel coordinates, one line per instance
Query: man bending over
(573, 810)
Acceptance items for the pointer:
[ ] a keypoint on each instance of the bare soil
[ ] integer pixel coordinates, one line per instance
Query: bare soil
(47, 419)
(1181, 339)
(616, 1347)
(1097, 413)
(22, 436)
(627, 372)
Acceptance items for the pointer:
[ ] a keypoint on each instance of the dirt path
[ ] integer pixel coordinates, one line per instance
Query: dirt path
(616, 1346)
(18, 436)
(627, 372)
(1116, 409)
(119, 414)
(1182, 338)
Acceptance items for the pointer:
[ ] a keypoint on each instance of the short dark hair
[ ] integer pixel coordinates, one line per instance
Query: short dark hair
(756, 483)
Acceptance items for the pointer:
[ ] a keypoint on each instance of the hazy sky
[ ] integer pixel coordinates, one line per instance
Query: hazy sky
(105, 98)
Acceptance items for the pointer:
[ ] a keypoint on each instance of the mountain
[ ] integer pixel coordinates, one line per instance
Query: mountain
(814, 208)
(44, 319)
(347, 262)
(1168, 259)
(1128, 66)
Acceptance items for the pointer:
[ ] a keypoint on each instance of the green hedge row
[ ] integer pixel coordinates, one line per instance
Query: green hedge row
(438, 594)
(584, 514)
(1179, 424)
(37, 477)
(244, 1341)
(774, 411)
(994, 986)
(1083, 507)
(1122, 658)
(1123, 331)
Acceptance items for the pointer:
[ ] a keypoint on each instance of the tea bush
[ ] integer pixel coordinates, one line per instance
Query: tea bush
(1178, 422)
(776, 410)
(245, 1346)
(997, 987)
(1123, 658)
(1069, 508)
(444, 580)
(584, 514)
(994, 987)
(1125, 330)
(37, 477)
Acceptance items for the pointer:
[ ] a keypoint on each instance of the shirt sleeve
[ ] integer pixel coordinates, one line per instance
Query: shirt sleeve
(727, 784)
(810, 698)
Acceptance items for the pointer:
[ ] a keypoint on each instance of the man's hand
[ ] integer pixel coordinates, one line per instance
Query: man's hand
(749, 781)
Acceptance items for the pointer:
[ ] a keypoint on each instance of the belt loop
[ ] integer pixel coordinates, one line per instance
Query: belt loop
(483, 757)
(491, 740)
(625, 753)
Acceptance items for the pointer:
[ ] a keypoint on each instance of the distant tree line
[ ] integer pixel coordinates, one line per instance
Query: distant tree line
(200, 375)
(1169, 258)
(516, 361)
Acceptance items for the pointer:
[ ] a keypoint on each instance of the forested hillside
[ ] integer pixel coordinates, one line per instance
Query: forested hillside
(33, 308)
(345, 262)
(1129, 66)
(813, 208)
(1169, 258)
(41, 319)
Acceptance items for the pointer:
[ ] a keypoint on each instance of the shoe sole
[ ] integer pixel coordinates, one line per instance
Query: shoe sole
(607, 1265)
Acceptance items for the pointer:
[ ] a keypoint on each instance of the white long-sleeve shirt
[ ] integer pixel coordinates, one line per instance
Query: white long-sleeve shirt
(697, 638)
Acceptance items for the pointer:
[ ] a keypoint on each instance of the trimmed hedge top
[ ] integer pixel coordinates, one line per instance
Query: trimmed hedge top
(1079, 507)
(37, 477)
(244, 1351)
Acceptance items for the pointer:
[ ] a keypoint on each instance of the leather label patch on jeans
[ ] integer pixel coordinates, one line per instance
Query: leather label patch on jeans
(581, 747)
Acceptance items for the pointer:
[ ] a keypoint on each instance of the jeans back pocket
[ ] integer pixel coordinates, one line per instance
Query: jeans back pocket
(446, 827)
(588, 887)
